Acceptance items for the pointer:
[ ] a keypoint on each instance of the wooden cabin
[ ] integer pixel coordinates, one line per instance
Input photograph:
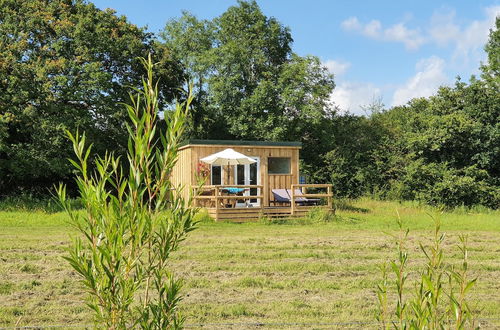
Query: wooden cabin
(276, 167)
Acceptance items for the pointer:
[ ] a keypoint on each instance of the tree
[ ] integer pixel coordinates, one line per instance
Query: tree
(66, 64)
(442, 150)
(362, 157)
(491, 70)
(250, 83)
(190, 41)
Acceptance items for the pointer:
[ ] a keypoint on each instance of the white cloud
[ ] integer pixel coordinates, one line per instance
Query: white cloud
(338, 68)
(373, 29)
(464, 42)
(468, 40)
(443, 29)
(430, 75)
(351, 23)
(411, 38)
(471, 40)
(349, 96)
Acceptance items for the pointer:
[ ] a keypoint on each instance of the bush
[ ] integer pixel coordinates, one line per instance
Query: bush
(133, 220)
(439, 184)
(203, 216)
(464, 187)
(30, 202)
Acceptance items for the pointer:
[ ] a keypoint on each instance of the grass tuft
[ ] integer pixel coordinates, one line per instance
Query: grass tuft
(31, 269)
(6, 288)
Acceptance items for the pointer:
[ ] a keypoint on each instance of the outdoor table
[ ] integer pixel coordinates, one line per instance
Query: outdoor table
(231, 192)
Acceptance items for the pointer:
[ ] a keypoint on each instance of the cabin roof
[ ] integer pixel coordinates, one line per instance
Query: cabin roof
(243, 143)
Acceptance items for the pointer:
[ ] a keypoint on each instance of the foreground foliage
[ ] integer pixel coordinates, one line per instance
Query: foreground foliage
(132, 221)
(440, 294)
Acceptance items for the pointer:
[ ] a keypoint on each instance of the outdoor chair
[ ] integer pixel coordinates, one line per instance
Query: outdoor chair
(280, 196)
(283, 196)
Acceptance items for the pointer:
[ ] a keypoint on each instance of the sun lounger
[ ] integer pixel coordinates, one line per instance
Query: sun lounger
(280, 196)
(283, 196)
(301, 200)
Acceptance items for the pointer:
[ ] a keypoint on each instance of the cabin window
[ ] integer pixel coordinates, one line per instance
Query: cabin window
(216, 175)
(278, 165)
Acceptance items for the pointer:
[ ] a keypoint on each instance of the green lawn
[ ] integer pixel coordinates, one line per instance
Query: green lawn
(238, 274)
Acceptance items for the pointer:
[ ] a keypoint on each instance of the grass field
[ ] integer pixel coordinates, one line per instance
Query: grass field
(237, 275)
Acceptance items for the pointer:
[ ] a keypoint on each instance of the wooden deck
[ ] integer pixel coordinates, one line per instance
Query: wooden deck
(255, 213)
(223, 207)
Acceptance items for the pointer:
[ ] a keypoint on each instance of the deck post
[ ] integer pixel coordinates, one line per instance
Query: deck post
(292, 201)
(329, 191)
(216, 203)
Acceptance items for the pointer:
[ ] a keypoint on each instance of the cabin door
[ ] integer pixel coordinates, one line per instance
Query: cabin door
(248, 175)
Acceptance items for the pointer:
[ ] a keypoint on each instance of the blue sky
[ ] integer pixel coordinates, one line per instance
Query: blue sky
(388, 50)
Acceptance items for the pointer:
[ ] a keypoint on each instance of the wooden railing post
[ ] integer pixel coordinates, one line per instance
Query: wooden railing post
(329, 192)
(292, 200)
(216, 203)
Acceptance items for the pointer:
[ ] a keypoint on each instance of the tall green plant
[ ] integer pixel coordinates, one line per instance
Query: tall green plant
(436, 303)
(461, 284)
(381, 291)
(133, 219)
(427, 305)
(399, 268)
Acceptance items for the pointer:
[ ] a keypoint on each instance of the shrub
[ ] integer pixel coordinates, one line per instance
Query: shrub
(439, 184)
(203, 216)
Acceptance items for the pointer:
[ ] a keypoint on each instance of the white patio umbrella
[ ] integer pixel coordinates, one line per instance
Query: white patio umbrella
(228, 157)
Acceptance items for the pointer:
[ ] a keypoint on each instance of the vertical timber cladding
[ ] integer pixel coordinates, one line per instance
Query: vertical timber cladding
(194, 152)
(181, 177)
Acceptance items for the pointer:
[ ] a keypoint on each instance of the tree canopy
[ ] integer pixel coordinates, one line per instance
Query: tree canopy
(442, 150)
(250, 84)
(64, 64)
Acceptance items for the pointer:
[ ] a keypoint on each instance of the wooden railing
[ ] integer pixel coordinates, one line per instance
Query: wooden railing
(303, 187)
(218, 198)
(213, 198)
